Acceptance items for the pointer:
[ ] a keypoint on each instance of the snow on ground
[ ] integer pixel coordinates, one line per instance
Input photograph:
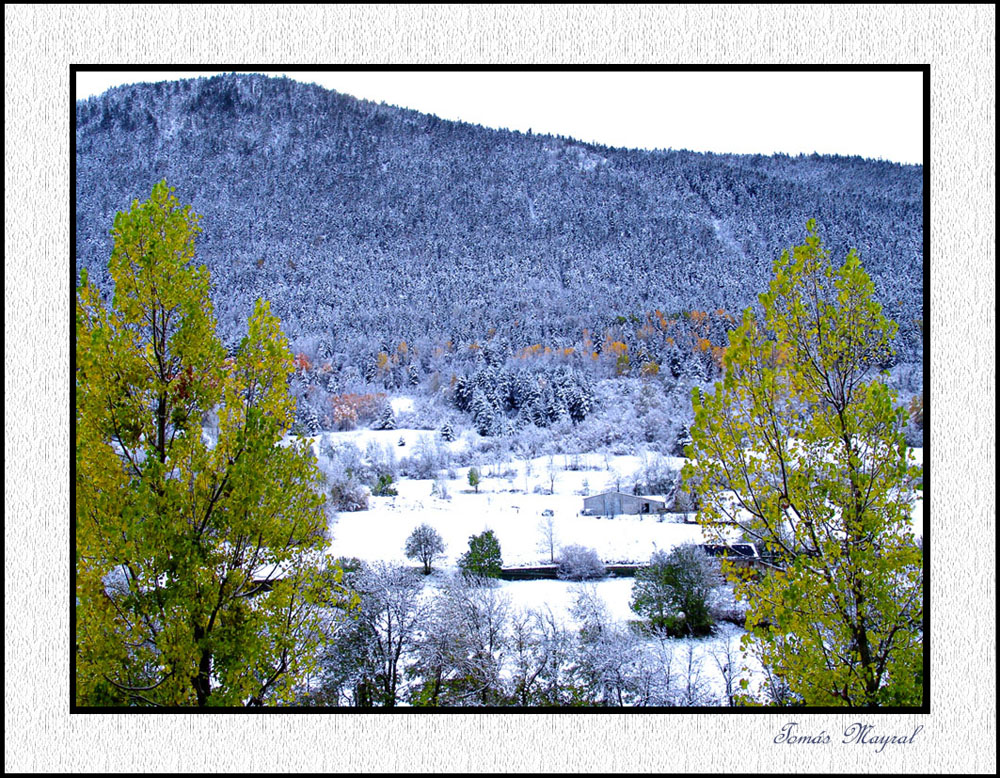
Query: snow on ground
(559, 596)
(502, 505)
(513, 499)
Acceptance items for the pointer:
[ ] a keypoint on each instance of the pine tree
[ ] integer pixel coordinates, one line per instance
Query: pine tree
(557, 407)
(484, 415)
(386, 419)
(463, 394)
(483, 559)
(580, 402)
(308, 419)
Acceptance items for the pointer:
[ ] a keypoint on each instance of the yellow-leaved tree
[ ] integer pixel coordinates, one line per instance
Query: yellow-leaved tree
(199, 558)
(801, 447)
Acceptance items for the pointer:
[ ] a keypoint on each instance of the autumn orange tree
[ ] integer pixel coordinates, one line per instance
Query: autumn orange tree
(199, 562)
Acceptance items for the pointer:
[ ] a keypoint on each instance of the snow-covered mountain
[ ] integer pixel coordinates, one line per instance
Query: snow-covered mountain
(368, 225)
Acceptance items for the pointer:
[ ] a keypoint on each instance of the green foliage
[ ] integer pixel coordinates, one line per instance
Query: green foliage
(803, 448)
(198, 564)
(474, 479)
(674, 591)
(483, 558)
(384, 487)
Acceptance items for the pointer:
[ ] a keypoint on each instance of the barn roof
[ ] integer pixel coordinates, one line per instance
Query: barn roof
(626, 494)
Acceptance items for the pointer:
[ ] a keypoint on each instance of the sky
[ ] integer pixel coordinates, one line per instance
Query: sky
(873, 114)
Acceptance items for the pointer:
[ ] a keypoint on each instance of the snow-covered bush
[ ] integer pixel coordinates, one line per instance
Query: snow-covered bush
(345, 475)
(428, 456)
(440, 489)
(578, 563)
(349, 494)
(655, 476)
(381, 460)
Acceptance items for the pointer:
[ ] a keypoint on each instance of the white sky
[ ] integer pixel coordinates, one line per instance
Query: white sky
(871, 114)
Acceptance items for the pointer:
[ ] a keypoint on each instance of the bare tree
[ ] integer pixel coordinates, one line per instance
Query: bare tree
(542, 659)
(389, 614)
(547, 529)
(694, 689)
(609, 666)
(726, 657)
(460, 657)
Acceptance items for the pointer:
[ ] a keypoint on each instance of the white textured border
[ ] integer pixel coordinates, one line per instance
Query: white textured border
(42, 41)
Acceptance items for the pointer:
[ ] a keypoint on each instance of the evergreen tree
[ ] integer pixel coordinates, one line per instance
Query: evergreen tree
(484, 415)
(557, 408)
(386, 419)
(483, 559)
(580, 402)
(463, 394)
(308, 419)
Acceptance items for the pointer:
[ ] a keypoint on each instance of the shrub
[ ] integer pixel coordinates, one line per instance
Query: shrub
(577, 563)
(657, 477)
(349, 495)
(440, 490)
(381, 459)
(384, 488)
(427, 457)
(345, 474)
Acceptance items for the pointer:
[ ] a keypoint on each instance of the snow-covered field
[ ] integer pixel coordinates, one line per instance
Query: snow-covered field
(501, 505)
(513, 500)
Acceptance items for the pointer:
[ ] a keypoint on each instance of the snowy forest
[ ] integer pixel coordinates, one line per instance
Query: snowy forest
(470, 336)
(368, 225)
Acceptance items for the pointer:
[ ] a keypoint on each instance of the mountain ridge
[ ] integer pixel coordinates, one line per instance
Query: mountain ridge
(366, 224)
